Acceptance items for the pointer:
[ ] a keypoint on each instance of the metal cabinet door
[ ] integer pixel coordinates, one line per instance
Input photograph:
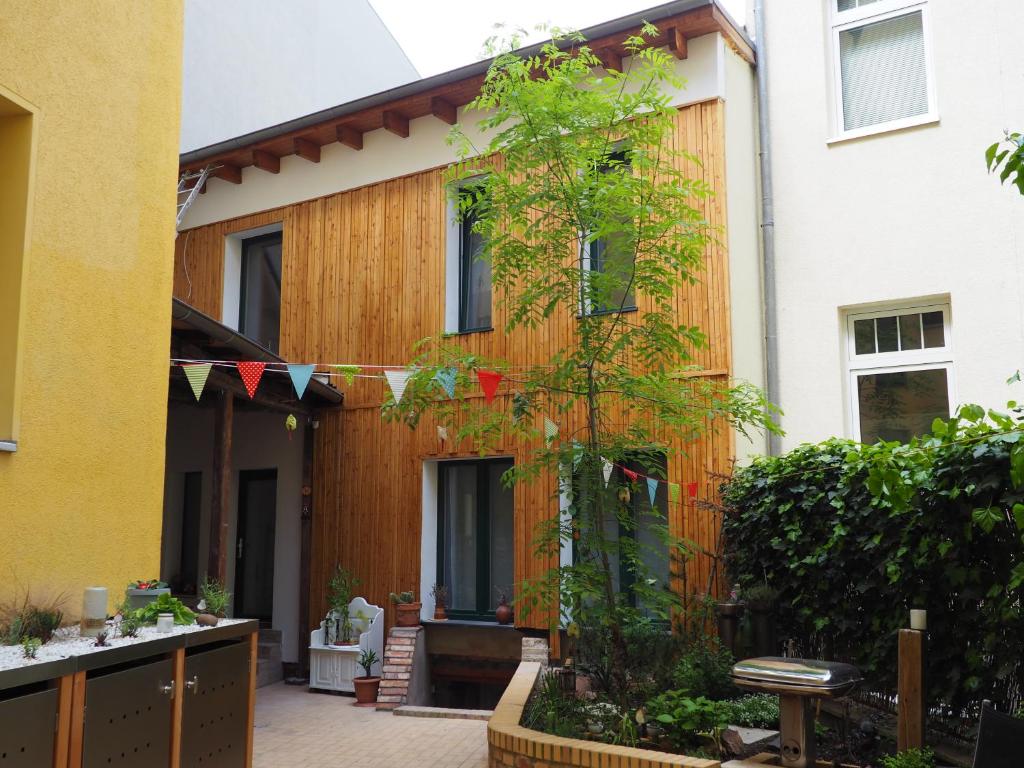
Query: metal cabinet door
(27, 724)
(215, 710)
(128, 717)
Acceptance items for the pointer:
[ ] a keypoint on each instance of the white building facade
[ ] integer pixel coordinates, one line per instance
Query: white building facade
(899, 260)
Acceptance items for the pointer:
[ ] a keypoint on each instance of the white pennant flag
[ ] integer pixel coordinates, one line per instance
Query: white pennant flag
(442, 433)
(607, 470)
(398, 380)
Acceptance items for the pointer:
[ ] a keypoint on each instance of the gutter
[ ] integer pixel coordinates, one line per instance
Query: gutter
(477, 69)
(771, 320)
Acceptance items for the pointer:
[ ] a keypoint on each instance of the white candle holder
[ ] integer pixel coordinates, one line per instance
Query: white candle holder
(94, 611)
(164, 622)
(918, 619)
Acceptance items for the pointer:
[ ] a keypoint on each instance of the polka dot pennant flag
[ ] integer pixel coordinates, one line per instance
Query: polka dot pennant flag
(251, 373)
(489, 381)
(446, 378)
(197, 374)
(673, 492)
(300, 375)
(550, 430)
(607, 469)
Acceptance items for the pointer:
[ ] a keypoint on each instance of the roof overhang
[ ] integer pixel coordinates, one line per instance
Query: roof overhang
(196, 336)
(442, 94)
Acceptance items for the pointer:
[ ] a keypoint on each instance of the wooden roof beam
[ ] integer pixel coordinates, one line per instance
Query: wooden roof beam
(444, 110)
(350, 137)
(265, 161)
(610, 59)
(396, 123)
(307, 150)
(677, 42)
(230, 173)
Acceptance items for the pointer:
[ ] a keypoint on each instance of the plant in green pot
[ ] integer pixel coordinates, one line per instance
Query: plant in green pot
(408, 611)
(367, 685)
(142, 592)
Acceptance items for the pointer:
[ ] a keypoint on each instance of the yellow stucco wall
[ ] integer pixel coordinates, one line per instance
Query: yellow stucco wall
(81, 498)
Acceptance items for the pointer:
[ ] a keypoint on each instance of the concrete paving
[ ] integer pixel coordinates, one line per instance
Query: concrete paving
(298, 729)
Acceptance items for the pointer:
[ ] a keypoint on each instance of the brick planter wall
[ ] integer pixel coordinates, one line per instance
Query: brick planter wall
(510, 745)
(396, 669)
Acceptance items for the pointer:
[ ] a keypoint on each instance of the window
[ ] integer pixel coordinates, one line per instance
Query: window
(900, 367)
(882, 67)
(475, 543)
(608, 261)
(17, 149)
(260, 296)
(474, 274)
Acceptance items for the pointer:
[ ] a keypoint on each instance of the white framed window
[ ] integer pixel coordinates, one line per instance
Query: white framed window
(900, 368)
(882, 65)
(468, 289)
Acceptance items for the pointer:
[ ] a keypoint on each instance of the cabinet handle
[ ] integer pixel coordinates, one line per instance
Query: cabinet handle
(167, 689)
(193, 684)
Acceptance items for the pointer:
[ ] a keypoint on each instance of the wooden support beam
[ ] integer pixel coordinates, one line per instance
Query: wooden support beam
(910, 691)
(443, 110)
(307, 150)
(61, 742)
(266, 161)
(677, 42)
(76, 731)
(250, 719)
(305, 542)
(350, 137)
(396, 123)
(610, 59)
(230, 173)
(223, 424)
(178, 697)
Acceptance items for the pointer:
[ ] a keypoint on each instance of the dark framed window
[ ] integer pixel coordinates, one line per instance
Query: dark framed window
(612, 256)
(475, 536)
(474, 272)
(259, 315)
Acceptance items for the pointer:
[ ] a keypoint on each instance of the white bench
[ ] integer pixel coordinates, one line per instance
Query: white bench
(332, 667)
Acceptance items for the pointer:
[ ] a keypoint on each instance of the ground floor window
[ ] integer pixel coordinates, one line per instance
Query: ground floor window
(475, 537)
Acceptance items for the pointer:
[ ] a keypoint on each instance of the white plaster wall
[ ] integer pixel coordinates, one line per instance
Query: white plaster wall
(259, 441)
(249, 64)
(895, 216)
(386, 156)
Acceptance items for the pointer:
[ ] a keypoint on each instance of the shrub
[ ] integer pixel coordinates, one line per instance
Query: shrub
(760, 710)
(912, 758)
(852, 536)
(705, 669)
(22, 618)
(687, 719)
(552, 710)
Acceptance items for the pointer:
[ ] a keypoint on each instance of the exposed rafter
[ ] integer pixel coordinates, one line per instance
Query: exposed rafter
(350, 137)
(396, 123)
(444, 110)
(266, 161)
(307, 150)
(610, 59)
(677, 42)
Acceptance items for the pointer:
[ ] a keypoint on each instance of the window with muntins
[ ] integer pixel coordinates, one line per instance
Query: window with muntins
(259, 314)
(474, 274)
(900, 367)
(475, 537)
(881, 62)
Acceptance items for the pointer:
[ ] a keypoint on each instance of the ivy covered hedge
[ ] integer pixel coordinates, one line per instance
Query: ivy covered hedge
(852, 536)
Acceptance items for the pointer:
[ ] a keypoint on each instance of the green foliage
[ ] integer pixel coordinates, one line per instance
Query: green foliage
(552, 710)
(912, 758)
(852, 536)
(215, 598)
(760, 710)
(23, 618)
(1007, 156)
(340, 590)
(704, 669)
(402, 598)
(367, 659)
(129, 625)
(688, 720)
(30, 647)
(164, 603)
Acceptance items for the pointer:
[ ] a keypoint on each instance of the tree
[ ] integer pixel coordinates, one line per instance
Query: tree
(1007, 156)
(584, 209)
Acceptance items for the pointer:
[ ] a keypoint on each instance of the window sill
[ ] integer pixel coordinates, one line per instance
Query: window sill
(479, 623)
(470, 331)
(606, 312)
(882, 128)
(8, 446)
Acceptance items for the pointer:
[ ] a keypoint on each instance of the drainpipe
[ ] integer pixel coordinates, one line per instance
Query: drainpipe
(771, 325)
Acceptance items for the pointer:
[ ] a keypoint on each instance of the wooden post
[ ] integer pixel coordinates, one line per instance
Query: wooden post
(250, 721)
(305, 544)
(76, 730)
(65, 689)
(177, 700)
(910, 713)
(223, 424)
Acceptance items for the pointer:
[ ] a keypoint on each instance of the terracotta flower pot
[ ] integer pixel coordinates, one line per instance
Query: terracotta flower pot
(408, 614)
(503, 613)
(366, 690)
(440, 612)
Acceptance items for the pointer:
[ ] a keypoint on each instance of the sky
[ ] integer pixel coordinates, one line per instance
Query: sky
(439, 35)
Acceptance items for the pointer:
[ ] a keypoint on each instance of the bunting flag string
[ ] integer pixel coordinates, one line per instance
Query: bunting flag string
(550, 431)
(397, 381)
(489, 381)
(630, 474)
(197, 374)
(251, 373)
(300, 375)
(673, 493)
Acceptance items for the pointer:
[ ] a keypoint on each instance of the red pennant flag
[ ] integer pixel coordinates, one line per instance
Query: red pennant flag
(251, 374)
(630, 474)
(489, 381)
(691, 490)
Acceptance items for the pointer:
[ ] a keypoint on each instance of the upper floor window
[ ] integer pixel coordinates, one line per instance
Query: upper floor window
(900, 367)
(474, 271)
(882, 65)
(259, 310)
(608, 261)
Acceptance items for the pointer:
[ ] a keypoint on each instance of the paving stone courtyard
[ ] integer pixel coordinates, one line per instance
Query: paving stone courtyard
(296, 729)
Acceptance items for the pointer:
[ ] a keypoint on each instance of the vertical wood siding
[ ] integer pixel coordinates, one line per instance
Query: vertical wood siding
(363, 279)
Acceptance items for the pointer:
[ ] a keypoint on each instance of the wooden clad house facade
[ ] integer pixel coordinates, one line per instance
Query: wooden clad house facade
(365, 273)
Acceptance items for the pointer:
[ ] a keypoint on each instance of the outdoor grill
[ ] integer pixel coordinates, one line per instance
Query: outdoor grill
(796, 681)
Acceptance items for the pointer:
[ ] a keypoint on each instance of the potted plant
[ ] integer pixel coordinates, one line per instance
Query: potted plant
(408, 612)
(440, 595)
(729, 614)
(141, 593)
(339, 595)
(367, 685)
(503, 613)
(213, 602)
(761, 600)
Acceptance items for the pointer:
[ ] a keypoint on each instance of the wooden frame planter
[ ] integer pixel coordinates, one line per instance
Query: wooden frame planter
(509, 743)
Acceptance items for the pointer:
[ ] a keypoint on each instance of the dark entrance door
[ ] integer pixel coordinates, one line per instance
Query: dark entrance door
(254, 546)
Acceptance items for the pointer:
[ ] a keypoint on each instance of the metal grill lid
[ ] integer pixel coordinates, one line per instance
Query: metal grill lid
(797, 672)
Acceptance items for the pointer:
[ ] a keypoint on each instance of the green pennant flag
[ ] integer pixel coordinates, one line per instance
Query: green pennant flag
(197, 374)
(550, 430)
(673, 492)
(348, 372)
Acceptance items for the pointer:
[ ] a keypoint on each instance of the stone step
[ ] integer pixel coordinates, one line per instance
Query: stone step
(268, 650)
(270, 635)
(454, 714)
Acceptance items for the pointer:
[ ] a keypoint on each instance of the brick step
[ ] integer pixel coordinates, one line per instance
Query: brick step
(444, 712)
(270, 635)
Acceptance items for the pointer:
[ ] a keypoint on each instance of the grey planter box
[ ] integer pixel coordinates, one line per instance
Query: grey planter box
(140, 598)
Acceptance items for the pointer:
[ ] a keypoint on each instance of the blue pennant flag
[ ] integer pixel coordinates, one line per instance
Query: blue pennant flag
(652, 489)
(300, 377)
(446, 378)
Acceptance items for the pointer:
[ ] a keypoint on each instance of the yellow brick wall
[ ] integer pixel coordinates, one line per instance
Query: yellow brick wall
(80, 499)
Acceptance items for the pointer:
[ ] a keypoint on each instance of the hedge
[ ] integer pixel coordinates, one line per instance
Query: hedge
(853, 536)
